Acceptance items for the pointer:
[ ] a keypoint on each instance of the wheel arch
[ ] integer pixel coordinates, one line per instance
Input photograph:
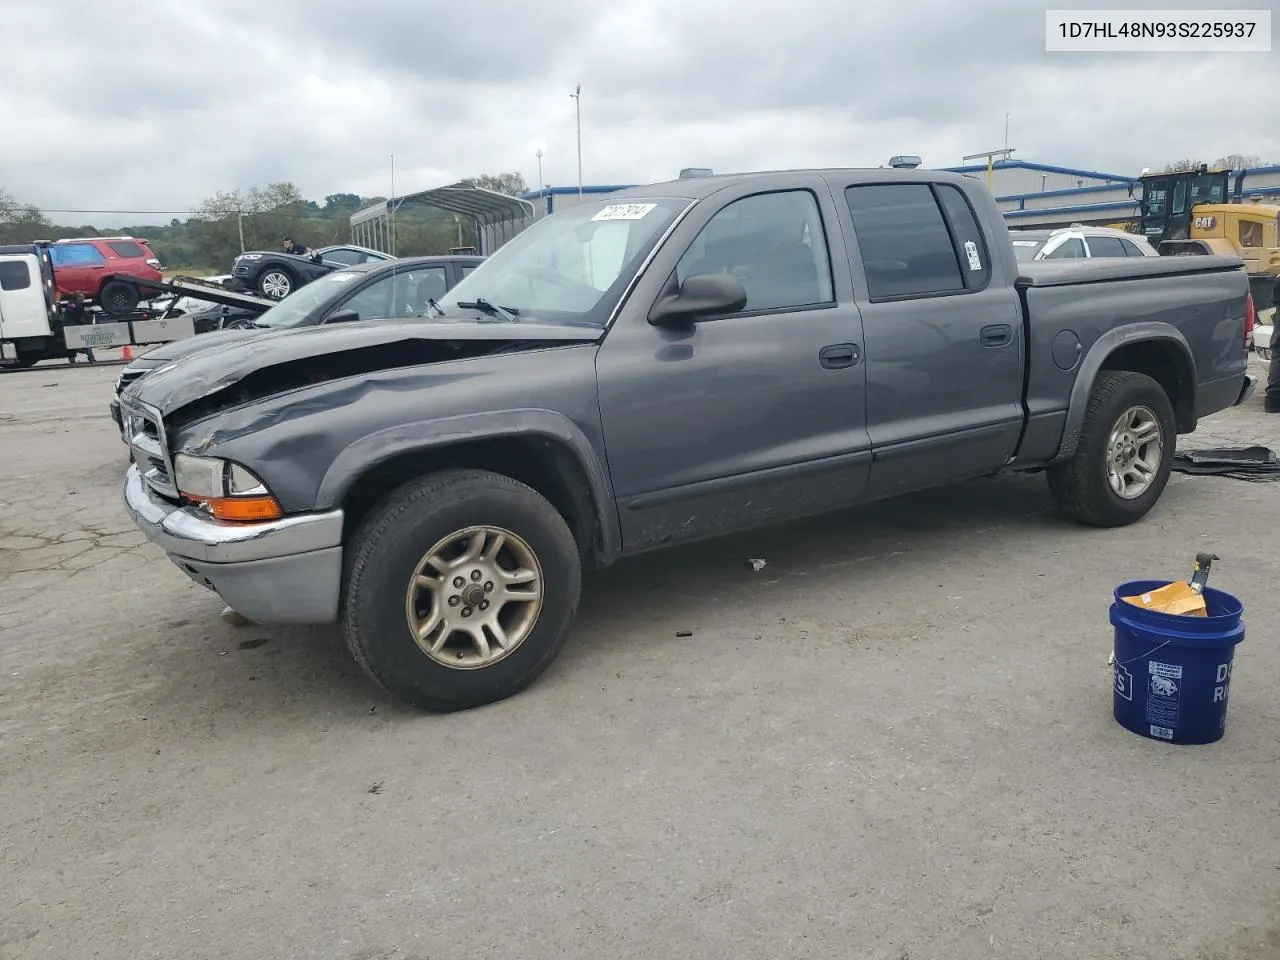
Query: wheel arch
(1158, 350)
(540, 448)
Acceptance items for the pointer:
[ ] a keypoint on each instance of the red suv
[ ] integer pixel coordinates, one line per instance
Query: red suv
(106, 269)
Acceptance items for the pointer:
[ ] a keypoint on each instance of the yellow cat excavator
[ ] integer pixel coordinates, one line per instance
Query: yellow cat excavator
(1191, 213)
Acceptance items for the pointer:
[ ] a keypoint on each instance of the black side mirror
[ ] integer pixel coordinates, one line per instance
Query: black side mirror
(702, 295)
(342, 316)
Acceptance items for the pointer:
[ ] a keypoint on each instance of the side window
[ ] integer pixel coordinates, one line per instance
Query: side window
(14, 275)
(1070, 249)
(346, 257)
(374, 301)
(1179, 198)
(1131, 249)
(773, 243)
(400, 296)
(127, 249)
(466, 270)
(974, 260)
(1106, 247)
(370, 258)
(75, 255)
(905, 245)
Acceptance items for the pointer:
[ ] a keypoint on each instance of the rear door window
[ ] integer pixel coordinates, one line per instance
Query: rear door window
(1106, 247)
(344, 256)
(967, 235)
(905, 244)
(1131, 249)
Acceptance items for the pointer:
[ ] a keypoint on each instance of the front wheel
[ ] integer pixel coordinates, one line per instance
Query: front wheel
(276, 283)
(1122, 463)
(459, 589)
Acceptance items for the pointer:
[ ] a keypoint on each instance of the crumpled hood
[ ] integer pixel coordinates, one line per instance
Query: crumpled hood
(177, 349)
(203, 372)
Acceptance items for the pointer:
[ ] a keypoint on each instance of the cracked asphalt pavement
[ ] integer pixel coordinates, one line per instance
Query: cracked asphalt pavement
(892, 741)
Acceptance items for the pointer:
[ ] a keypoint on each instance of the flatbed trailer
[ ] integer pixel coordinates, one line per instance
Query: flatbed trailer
(35, 325)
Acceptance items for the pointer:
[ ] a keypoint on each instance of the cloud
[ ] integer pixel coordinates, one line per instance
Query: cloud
(158, 109)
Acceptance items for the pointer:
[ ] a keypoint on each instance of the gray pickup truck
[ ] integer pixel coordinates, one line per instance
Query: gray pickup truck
(669, 363)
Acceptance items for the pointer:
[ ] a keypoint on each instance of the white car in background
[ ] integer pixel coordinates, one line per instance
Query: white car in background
(1078, 243)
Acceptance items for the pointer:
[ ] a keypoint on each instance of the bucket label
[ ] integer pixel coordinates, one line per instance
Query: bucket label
(1164, 691)
(1222, 683)
(1124, 682)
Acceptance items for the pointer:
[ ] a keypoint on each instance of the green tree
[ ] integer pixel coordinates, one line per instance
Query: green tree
(22, 222)
(512, 184)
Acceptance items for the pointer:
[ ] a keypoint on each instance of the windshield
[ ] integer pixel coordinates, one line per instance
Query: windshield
(568, 268)
(297, 307)
(1025, 249)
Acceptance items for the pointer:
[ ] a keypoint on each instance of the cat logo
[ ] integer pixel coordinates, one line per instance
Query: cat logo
(1205, 223)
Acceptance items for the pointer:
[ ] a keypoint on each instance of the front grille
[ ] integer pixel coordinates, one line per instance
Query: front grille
(144, 432)
(126, 377)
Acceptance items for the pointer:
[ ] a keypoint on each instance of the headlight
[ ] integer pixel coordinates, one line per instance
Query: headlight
(224, 489)
(249, 256)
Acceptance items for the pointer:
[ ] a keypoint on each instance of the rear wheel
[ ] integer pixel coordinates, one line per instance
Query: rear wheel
(118, 297)
(1122, 463)
(460, 589)
(276, 283)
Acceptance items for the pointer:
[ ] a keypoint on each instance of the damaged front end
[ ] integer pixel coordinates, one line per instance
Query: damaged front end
(230, 449)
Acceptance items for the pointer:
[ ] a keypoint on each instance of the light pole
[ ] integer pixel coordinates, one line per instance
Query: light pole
(577, 100)
(541, 185)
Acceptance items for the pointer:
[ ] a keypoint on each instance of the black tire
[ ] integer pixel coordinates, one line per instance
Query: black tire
(385, 551)
(1080, 485)
(266, 281)
(118, 297)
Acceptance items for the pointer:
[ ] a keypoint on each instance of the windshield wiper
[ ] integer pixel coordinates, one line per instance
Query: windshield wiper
(510, 314)
(433, 305)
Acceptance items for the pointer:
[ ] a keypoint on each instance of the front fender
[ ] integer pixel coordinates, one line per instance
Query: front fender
(376, 448)
(1095, 360)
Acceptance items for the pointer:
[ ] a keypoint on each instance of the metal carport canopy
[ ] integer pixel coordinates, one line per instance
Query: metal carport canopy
(486, 206)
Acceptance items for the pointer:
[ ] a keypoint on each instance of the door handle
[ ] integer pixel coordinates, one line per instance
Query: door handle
(838, 356)
(997, 335)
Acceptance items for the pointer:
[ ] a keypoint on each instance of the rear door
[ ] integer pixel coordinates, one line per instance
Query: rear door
(943, 336)
(1105, 247)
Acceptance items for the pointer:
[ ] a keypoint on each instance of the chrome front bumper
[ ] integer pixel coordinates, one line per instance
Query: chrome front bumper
(281, 571)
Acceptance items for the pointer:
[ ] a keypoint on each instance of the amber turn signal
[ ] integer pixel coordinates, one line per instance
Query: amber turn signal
(245, 508)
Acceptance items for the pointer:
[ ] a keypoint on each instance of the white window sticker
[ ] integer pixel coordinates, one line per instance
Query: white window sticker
(971, 251)
(1026, 243)
(624, 211)
(340, 277)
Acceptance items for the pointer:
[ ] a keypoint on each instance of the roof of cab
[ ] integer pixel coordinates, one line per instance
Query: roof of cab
(695, 188)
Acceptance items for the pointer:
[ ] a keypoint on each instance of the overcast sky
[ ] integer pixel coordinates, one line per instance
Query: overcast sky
(152, 105)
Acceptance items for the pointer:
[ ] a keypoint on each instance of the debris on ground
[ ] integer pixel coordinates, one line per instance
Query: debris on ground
(376, 788)
(756, 565)
(229, 616)
(1256, 464)
(684, 633)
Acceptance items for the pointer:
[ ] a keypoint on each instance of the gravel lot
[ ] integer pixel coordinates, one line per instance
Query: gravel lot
(892, 742)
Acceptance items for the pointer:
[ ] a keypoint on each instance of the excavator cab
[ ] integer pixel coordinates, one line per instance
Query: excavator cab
(1169, 201)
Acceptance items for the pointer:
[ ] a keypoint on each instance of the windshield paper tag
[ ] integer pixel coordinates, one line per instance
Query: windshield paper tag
(624, 211)
(1026, 243)
(971, 251)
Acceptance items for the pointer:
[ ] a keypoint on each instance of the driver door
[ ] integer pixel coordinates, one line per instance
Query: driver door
(748, 418)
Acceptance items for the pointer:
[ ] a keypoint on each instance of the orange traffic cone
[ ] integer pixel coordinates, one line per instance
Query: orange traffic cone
(126, 353)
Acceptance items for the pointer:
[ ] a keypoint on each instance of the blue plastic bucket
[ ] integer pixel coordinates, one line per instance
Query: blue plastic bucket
(1173, 673)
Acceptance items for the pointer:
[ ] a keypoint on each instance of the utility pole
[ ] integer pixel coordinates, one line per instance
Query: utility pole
(541, 185)
(577, 99)
(240, 226)
(392, 206)
(1006, 129)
